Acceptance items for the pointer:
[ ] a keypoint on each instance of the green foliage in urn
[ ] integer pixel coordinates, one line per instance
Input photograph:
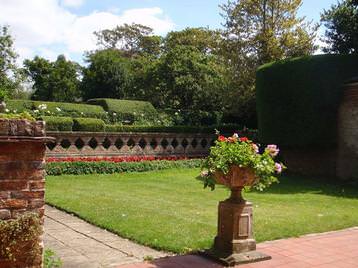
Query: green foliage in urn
(23, 115)
(241, 152)
(18, 235)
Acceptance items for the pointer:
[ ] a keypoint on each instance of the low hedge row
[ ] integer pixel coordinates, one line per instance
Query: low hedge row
(81, 168)
(88, 124)
(174, 129)
(66, 109)
(57, 123)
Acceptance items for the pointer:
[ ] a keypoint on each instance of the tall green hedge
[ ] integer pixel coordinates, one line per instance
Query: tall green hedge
(298, 99)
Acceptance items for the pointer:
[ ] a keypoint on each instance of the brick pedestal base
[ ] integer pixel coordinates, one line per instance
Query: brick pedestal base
(22, 179)
(234, 243)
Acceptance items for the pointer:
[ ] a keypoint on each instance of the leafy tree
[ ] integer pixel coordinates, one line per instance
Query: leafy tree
(205, 40)
(188, 80)
(341, 21)
(11, 76)
(131, 39)
(257, 32)
(107, 76)
(54, 81)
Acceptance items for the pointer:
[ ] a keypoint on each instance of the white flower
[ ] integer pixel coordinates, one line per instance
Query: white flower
(14, 111)
(114, 114)
(42, 106)
(36, 111)
(142, 115)
(82, 113)
(134, 113)
(58, 109)
(235, 135)
(7, 110)
(176, 113)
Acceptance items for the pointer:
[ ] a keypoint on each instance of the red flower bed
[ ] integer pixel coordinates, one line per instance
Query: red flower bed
(115, 159)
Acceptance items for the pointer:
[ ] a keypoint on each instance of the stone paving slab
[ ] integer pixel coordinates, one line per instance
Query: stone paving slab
(337, 249)
(80, 244)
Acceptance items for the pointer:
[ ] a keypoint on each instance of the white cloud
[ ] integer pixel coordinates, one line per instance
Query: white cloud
(72, 3)
(42, 26)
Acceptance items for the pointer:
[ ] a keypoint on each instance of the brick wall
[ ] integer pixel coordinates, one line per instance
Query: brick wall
(22, 176)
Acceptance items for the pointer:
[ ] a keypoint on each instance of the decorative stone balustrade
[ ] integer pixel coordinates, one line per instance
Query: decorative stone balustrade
(91, 144)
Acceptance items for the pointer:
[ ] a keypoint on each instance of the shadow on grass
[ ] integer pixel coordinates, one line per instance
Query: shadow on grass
(293, 184)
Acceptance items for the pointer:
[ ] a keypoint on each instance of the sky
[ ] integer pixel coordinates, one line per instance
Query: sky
(51, 27)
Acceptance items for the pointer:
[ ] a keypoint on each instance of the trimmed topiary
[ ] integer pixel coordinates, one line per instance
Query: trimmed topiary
(298, 99)
(57, 123)
(127, 110)
(88, 125)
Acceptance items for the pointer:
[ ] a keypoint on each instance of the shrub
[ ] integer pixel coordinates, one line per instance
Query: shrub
(18, 236)
(128, 111)
(73, 109)
(88, 124)
(79, 168)
(227, 129)
(19, 105)
(57, 123)
(51, 260)
(297, 99)
(58, 108)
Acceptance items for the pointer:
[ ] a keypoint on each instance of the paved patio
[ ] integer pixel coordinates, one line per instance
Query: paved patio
(80, 244)
(329, 250)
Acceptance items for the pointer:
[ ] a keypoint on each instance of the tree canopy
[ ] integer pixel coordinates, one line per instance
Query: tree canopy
(107, 75)
(10, 75)
(54, 81)
(341, 21)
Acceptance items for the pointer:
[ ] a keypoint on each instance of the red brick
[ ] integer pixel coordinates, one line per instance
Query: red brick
(4, 194)
(10, 185)
(37, 185)
(13, 151)
(13, 203)
(17, 212)
(5, 214)
(28, 194)
(36, 203)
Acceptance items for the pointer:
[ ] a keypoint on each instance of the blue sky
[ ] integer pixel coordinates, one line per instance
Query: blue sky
(51, 27)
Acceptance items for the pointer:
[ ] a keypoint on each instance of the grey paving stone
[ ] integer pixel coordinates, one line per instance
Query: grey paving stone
(80, 244)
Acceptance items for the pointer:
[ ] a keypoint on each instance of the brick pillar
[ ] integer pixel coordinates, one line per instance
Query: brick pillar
(22, 177)
(347, 167)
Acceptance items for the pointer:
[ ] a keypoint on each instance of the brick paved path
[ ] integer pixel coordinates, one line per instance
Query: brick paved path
(327, 250)
(80, 244)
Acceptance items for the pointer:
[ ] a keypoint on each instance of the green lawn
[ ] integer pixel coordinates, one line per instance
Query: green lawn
(170, 210)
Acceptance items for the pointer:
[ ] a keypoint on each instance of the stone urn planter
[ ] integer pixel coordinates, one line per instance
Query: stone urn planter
(235, 243)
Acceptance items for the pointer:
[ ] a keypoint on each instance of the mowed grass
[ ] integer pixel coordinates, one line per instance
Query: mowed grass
(170, 210)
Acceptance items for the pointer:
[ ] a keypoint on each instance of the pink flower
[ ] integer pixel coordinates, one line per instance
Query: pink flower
(278, 168)
(255, 147)
(272, 150)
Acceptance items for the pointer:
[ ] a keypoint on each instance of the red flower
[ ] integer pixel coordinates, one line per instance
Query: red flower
(221, 138)
(244, 139)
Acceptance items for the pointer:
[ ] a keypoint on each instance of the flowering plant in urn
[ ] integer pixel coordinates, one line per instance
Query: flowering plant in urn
(237, 162)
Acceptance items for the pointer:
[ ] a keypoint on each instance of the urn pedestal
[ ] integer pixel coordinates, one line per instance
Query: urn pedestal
(235, 243)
